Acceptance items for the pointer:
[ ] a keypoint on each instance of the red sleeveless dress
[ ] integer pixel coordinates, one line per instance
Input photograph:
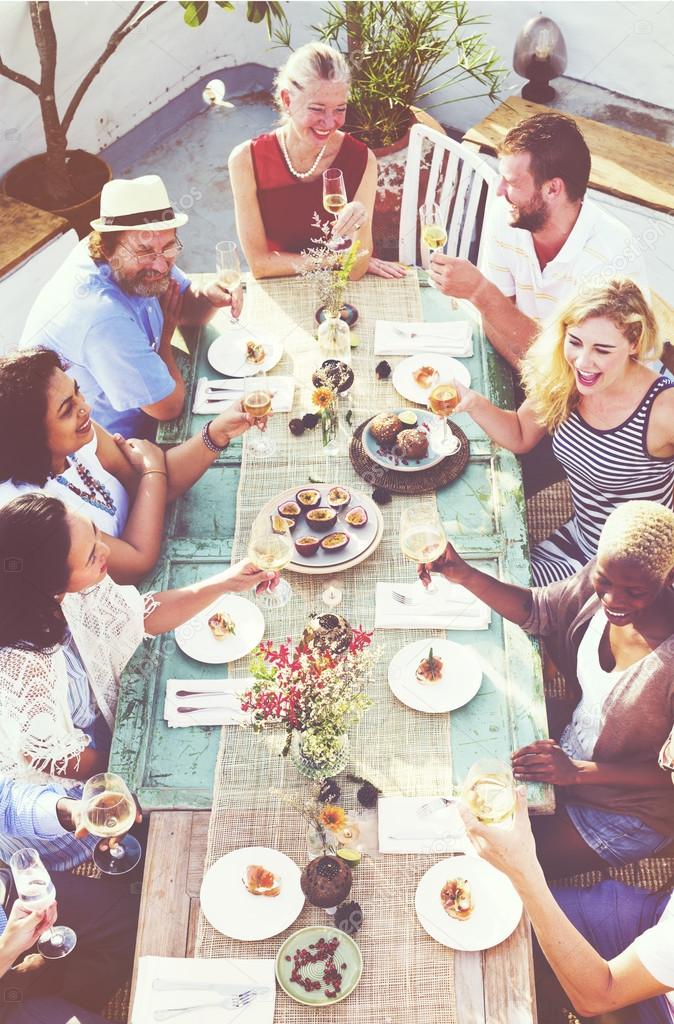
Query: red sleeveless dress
(287, 204)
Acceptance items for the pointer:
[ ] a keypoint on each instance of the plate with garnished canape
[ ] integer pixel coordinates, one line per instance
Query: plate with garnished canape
(414, 377)
(228, 629)
(434, 675)
(244, 351)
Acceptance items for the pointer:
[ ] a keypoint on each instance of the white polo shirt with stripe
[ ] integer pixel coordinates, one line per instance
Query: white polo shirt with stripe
(599, 248)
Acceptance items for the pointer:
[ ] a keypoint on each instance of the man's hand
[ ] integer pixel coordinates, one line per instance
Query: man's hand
(459, 278)
(171, 303)
(544, 761)
(24, 928)
(219, 296)
(70, 814)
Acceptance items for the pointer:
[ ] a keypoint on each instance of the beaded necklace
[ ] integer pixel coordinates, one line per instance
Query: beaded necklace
(105, 503)
(286, 156)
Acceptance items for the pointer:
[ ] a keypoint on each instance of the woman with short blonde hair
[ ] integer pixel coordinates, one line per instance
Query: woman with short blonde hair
(611, 417)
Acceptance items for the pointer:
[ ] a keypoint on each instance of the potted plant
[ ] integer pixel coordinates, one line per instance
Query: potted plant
(69, 181)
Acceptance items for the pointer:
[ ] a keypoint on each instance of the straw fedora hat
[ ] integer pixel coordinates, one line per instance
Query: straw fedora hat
(139, 204)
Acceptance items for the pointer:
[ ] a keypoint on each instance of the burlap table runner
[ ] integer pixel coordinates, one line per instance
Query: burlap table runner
(407, 976)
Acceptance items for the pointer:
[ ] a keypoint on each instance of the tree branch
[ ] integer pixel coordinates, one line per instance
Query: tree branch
(120, 33)
(16, 76)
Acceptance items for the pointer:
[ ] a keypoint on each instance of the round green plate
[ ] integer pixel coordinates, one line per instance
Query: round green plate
(346, 953)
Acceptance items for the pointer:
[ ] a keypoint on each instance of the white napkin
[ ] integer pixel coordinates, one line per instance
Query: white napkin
(403, 830)
(452, 338)
(216, 401)
(453, 607)
(217, 698)
(244, 975)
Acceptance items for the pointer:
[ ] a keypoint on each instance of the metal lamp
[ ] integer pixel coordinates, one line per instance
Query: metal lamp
(540, 54)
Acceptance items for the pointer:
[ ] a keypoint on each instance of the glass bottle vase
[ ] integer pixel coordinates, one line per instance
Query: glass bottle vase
(334, 339)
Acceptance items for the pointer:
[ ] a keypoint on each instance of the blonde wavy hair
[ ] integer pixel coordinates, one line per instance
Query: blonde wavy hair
(313, 62)
(640, 532)
(549, 381)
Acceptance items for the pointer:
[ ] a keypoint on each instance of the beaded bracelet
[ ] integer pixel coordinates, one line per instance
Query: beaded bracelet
(210, 444)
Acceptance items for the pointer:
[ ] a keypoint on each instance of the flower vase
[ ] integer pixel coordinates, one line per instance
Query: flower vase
(334, 339)
(330, 427)
(334, 762)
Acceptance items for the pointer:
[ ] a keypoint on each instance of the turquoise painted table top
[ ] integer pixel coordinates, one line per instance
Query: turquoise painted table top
(484, 514)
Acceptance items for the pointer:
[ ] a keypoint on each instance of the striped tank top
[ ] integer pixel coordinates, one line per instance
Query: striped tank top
(608, 467)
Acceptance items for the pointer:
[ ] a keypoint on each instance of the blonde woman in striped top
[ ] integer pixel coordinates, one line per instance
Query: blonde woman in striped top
(611, 418)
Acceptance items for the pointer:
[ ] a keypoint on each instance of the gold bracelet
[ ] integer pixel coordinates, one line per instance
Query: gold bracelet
(162, 472)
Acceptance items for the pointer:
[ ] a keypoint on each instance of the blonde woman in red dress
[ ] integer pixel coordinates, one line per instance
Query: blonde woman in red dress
(277, 178)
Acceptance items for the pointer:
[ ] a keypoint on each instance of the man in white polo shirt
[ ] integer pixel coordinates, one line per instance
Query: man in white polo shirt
(544, 240)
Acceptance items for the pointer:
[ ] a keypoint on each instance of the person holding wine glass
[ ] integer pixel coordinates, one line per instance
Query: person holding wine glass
(270, 547)
(422, 539)
(257, 397)
(277, 178)
(67, 632)
(442, 401)
(609, 629)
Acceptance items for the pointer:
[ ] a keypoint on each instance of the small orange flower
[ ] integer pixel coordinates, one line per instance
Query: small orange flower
(322, 397)
(332, 817)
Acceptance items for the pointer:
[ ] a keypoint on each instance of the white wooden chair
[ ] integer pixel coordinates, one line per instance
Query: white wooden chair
(459, 181)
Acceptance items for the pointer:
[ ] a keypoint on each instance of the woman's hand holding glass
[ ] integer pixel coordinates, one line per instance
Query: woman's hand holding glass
(422, 537)
(245, 575)
(36, 894)
(270, 548)
(257, 397)
(449, 564)
(511, 850)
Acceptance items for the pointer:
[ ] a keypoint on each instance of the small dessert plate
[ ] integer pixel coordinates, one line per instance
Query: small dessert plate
(447, 367)
(460, 680)
(347, 959)
(234, 911)
(227, 354)
(195, 639)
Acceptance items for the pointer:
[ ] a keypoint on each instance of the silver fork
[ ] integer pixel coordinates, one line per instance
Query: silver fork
(226, 1003)
(422, 334)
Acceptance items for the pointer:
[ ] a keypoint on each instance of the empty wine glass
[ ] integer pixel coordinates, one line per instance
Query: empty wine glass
(257, 397)
(270, 547)
(334, 200)
(36, 892)
(489, 790)
(109, 811)
(422, 538)
(228, 267)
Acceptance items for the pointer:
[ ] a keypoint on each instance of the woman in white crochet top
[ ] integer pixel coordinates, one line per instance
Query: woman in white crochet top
(62, 618)
(50, 443)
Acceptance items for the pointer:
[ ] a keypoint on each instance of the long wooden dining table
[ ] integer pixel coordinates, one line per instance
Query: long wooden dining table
(172, 770)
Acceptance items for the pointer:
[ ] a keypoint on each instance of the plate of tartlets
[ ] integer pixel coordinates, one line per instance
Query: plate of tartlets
(332, 527)
(228, 629)
(415, 377)
(252, 893)
(242, 352)
(434, 675)
(403, 440)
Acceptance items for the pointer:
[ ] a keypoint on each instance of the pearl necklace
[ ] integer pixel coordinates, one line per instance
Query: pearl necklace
(299, 174)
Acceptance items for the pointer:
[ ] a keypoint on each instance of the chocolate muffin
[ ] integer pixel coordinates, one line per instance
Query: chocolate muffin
(326, 881)
(385, 428)
(412, 444)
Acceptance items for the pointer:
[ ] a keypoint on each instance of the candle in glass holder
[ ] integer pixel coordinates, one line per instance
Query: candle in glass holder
(333, 593)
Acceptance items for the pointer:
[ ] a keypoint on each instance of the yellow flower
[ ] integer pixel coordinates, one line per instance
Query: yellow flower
(332, 817)
(322, 397)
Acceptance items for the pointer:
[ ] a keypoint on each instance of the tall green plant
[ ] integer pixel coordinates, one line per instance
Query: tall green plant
(401, 52)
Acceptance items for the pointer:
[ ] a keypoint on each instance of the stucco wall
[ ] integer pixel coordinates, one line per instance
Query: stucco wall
(623, 47)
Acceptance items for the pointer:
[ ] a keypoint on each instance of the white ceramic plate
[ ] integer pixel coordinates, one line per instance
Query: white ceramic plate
(447, 367)
(234, 911)
(385, 457)
(227, 354)
(195, 639)
(363, 540)
(497, 907)
(460, 681)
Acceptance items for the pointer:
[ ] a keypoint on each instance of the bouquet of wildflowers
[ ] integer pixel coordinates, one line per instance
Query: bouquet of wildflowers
(312, 692)
(329, 269)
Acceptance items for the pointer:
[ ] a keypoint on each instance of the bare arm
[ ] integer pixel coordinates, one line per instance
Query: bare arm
(187, 462)
(510, 601)
(171, 406)
(593, 984)
(517, 430)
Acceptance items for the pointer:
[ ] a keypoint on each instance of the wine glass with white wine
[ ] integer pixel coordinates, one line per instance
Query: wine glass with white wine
(270, 547)
(433, 229)
(442, 401)
(36, 891)
(109, 811)
(489, 790)
(257, 396)
(334, 200)
(422, 538)
(228, 267)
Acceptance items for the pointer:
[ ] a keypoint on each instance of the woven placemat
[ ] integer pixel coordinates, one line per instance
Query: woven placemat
(425, 481)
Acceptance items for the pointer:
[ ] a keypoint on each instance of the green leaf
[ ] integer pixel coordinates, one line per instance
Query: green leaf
(315, 479)
(225, 5)
(195, 13)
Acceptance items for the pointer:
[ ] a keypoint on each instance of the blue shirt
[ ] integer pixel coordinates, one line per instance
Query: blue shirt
(109, 339)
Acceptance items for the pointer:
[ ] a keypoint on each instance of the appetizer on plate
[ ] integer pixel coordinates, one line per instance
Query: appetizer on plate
(255, 353)
(261, 882)
(457, 899)
(221, 625)
(429, 669)
(425, 376)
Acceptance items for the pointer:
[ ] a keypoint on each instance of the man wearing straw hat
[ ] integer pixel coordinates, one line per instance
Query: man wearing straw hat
(111, 309)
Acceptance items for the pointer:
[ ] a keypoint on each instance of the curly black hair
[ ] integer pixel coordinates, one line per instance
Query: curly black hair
(34, 550)
(24, 378)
